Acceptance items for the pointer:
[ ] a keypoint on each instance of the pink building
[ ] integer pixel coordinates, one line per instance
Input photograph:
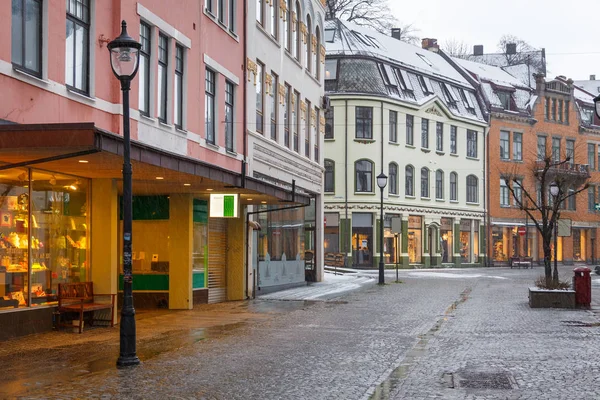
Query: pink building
(61, 153)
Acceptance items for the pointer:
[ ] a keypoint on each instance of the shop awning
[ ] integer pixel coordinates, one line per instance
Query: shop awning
(510, 223)
(84, 150)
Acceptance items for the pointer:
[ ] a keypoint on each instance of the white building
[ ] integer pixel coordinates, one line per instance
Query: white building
(405, 111)
(285, 126)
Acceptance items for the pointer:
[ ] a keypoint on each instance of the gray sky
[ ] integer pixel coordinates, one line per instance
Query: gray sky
(569, 30)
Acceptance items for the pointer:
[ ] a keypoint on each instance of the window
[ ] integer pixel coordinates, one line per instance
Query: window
(329, 177)
(560, 111)
(144, 70)
(570, 151)
(592, 198)
(296, 34)
(467, 101)
(453, 186)
(472, 144)
(26, 37)
(259, 11)
(472, 189)
(504, 199)
(221, 8)
(317, 133)
(541, 147)
(329, 35)
(518, 189)
(439, 184)
(517, 146)
(424, 133)
(424, 182)
(504, 99)
(209, 6)
(547, 107)
(404, 81)
(504, 145)
(260, 107)
(178, 110)
(453, 143)
(330, 69)
(410, 139)
(287, 26)
(439, 136)
(308, 60)
(388, 78)
(587, 115)
(287, 113)
(409, 183)
(317, 57)
(449, 95)
(275, 19)
(364, 122)
(308, 129)
(274, 108)
(591, 155)
(296, 119)
(553, 109)
(566, 110)
(572, 200)
(393, 178)
(425, 84)
(232, 15)
(209, 106)
(77, 46)
(229, 99)
(163, 59)
(393, 126)
(364, 176)
(555, 149)
(329, 123)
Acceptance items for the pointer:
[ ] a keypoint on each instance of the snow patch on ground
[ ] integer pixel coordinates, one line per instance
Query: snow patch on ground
(332, 285)
(431, 274)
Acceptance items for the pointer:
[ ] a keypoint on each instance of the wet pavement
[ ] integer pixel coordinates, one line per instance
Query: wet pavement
(448, 334)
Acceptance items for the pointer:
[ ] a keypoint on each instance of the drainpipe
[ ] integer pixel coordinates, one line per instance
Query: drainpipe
(486, 165)
(244, 92)
(346, 173)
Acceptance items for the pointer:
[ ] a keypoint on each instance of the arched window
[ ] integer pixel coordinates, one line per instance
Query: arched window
(393, 178)
(364, 176)
(439, 184)
(317, 58)
(287, 26)
(453, 186)
(308, 61)
(472, 189)
(296, 36)
(409, 181)
(329, 176)
(424, 182)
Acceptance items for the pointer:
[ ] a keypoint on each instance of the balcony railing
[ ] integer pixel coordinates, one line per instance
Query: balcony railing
(579, 170)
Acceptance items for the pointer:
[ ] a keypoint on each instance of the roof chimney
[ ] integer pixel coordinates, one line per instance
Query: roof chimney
(430, 44)
(592, 77)
(478, 50)
(511, 48)
(396, 33)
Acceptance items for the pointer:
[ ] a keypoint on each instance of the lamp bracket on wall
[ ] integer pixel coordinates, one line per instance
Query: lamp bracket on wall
(102, 40)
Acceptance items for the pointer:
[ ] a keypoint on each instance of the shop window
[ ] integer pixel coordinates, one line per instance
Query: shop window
(465, 240)
(329, 176)
(446, 239)
(362, 239)
(391, 246)
(200, 244)
(414, 239)
(283, 236)
(331, 242)
(26, 36)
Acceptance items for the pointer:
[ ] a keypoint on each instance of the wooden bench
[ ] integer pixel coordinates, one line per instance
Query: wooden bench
(335, 260)
(526, 262)
(80, 298)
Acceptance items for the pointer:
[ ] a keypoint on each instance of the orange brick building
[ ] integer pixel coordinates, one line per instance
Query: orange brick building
(555, 118)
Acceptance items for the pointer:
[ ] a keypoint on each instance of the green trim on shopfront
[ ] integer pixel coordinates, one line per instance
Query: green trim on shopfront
(148, 282)
(198, 279)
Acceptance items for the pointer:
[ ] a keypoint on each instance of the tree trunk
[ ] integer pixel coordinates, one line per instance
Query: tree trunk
(546, 244)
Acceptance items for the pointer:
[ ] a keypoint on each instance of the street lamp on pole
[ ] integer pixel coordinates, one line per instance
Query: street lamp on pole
(597, 104)
(124, 61)
(381, 182)
(554, 191)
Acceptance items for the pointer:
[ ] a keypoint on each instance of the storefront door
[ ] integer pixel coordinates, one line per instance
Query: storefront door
(362, 239)
(310, 245)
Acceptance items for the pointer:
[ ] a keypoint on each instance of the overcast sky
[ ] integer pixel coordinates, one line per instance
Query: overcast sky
(568, 30)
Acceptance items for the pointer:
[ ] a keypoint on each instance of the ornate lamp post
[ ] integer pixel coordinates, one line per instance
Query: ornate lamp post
(124, 60)
(554, 191)
(381, 182)
(597, 104)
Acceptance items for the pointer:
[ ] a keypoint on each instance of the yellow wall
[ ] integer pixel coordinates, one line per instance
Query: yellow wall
(235, 258)
(180, 251)
(103, 233)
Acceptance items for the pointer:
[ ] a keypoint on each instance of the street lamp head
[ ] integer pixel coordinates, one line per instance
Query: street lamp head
(597, 104)
(381, 180)
(554, 189)
(124, 55)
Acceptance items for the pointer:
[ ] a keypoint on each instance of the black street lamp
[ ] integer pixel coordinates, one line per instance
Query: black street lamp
(597, 104)
(381, 182)
(124, 60)
(554, 191)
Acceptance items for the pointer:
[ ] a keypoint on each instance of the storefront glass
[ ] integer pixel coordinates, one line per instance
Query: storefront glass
(465, 240)
(331, 242)
(200, 244)
(475, 241)
(390, 247)
(44, 239)
(579, 242)
(415, 239)
(362, 239)
(498, 247)
(446, 239)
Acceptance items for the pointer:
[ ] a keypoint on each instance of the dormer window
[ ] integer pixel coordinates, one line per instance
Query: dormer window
(425, 84)
(329, 35)
(404, 82)
(467, 101)
(330, 69)
(587, 115)
(504, 99)
(449, 95)
(388, 78)
(425, 60)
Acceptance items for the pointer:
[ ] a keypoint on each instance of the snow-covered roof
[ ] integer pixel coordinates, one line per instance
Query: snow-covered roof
(489, 73)
(592, 87)
(352, 39)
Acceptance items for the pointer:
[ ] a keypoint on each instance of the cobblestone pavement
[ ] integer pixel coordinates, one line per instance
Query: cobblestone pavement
(447, 334)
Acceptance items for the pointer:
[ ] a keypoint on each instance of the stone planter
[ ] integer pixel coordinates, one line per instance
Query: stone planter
(544, 298)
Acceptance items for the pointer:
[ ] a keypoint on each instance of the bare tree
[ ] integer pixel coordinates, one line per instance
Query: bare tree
(375, 14)
(456, 48)
(525, 53)
(543, 208)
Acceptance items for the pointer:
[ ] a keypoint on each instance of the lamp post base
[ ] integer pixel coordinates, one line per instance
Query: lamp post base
(381, 273)
(127, 361)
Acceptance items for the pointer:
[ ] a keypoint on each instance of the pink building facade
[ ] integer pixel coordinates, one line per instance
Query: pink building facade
(61, 151)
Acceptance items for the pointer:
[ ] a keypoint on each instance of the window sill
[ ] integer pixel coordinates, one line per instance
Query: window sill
(364, 193)
(472, 204)
(453, 154)
(454, 201)
(393, 195)
(291, 57)
(504, 205)
(148, 118)
(329, 139)
(31, 76)
(181, 131)
(164, 124)
(409, 197)
(267, 34)
(364, 141)
(440, 200)
(212, 146)
(81, 95)
(439, 153)
(426, 198)
(425, 150)
(394, 143)
(472, 158)
(410, 146)
(226, 29)
(231, 153)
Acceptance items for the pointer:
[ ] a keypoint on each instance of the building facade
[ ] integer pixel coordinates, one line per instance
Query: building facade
(404, 111)
(285, 57)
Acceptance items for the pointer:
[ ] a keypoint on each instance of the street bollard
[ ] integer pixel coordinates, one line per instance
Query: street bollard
(582, 283)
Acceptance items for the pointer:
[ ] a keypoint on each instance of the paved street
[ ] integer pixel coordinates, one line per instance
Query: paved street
(447, 334)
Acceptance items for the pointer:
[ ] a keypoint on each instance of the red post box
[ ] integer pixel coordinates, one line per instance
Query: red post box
(582, 282)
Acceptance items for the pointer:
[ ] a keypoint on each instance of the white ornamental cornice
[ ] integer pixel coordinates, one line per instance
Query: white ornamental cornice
(281, 162)
(405, 209)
